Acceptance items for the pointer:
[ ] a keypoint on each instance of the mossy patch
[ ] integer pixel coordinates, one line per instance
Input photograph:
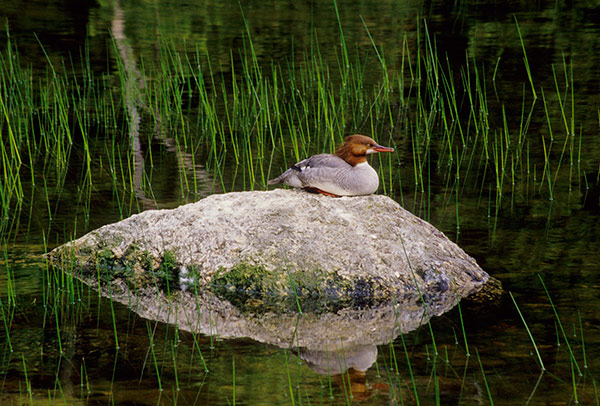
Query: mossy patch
(105, 255)
(109, 268)
(254, 289)
(167, 274)
(138, 269)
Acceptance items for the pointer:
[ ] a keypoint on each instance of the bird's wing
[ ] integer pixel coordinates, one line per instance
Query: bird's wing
(321, 161)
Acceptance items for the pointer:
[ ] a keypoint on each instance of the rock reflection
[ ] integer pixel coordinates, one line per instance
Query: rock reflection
(329, 343)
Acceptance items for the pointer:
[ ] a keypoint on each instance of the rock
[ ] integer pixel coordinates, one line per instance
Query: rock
(280, 251)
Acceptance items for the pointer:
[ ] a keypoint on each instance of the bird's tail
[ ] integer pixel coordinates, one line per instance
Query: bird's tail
(275, 181)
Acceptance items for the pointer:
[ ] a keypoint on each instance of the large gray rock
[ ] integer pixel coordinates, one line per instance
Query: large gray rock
(280, 251)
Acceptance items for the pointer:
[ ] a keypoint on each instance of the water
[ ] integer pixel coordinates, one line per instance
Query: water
(529, 237)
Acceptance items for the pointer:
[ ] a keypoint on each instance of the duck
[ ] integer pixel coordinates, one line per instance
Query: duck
(346, 172)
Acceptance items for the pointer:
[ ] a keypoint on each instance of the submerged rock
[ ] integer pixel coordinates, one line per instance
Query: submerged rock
(280, 251)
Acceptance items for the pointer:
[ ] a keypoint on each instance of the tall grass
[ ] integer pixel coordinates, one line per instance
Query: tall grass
(235, 128)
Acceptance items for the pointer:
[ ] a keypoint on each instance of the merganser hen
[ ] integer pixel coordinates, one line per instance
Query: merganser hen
(343, 173)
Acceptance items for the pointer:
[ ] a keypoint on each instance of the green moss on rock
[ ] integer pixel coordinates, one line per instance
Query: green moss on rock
(166, 277)
(109, 268)
(254, 289)
(105, 255)
(138, 268)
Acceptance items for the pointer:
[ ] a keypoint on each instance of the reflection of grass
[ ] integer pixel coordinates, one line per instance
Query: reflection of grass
(418, 376)
(415, 368)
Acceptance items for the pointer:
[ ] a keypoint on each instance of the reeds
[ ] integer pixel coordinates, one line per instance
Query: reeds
(235, 128)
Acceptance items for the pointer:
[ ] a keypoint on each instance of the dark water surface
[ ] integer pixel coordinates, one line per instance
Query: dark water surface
(70, 357)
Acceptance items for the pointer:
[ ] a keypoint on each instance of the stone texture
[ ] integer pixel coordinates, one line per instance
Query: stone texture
(272, 251)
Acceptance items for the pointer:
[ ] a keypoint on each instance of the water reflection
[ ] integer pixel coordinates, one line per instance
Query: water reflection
(359, 358)
(134, 84)
(330, 343)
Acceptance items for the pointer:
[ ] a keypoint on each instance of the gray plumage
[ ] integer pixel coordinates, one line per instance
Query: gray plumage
(345, 173)
(331, 174)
